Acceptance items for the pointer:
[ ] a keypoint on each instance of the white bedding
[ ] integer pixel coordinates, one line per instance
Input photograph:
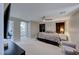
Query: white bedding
(49, 36)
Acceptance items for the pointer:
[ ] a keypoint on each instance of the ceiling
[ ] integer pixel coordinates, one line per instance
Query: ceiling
(33, 11)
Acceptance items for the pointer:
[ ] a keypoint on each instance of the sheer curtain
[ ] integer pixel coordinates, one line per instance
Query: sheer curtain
(25, 29)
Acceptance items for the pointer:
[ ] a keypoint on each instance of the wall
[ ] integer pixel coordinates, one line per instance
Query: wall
(34, 29)
(29, 29)
(50, 26)
(16, 30)
(1, 29)
(74, 27)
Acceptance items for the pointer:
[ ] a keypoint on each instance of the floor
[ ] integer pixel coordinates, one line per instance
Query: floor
(35, 47)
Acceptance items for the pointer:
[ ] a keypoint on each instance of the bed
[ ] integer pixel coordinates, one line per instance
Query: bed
(49, 37)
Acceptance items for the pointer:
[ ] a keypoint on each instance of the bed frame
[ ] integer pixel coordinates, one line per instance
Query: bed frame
(49, 42)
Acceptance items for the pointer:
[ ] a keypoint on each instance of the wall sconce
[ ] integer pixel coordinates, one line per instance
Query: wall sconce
(62, 30)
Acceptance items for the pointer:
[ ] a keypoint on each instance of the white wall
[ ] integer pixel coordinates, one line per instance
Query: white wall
(34, 29)
(29, 29)
(1, 29)
(16, 30)
(74, 27)
(50, 26)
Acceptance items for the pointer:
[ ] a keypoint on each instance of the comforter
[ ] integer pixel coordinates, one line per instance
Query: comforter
(49, 36)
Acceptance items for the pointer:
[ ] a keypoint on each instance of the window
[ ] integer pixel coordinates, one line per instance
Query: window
(25, 29)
